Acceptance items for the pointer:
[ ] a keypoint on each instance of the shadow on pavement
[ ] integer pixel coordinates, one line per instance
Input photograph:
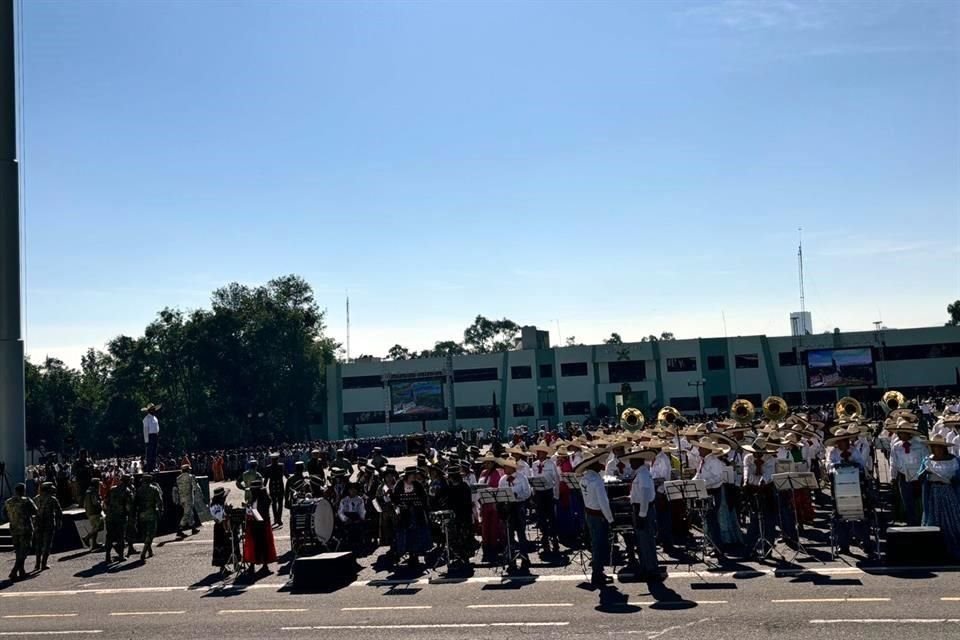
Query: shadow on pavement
(612, 600)
(667, 598)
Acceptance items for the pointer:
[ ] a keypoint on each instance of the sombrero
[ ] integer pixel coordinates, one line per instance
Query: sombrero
(760, 446)
(644, 454)
(150, 407)
(710, 445)
(597, 456)
(936, 441)
(547, 449)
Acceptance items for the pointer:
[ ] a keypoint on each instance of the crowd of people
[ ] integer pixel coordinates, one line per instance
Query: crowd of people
(586, 486)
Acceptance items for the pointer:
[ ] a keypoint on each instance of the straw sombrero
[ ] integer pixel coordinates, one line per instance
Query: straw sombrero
(597, 456)
(644, 454)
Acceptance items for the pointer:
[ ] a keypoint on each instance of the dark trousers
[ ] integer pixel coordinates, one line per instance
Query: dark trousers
(645, 528)
(909, 500)
(599, 544)
(546, 515)
(517, 527)
(153, 442)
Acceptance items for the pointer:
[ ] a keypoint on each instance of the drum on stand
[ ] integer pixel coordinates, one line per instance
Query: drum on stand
(847, 495)
(311, 523)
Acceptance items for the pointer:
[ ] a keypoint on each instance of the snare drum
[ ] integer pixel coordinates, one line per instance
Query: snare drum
(847, 495)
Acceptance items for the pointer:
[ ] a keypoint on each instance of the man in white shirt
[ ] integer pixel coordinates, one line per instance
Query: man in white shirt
(544, 499)
(599, 516)
(642, 496)
(759, 465)
(151, 435)
(710, 470)
(515, 511)
(615, 468)
(661, 471)
(906, 457)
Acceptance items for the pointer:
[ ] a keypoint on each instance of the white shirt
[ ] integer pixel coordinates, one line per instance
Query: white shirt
(595, 494)
(523, 469)
(710, 471)
(907, 463)
(642, 492)
(612, 468)
(547, 469)
(834, 459)
(750, 476)
(150, 425)
(661, 470)
(352, 505)
(862, 445)
(519, 483)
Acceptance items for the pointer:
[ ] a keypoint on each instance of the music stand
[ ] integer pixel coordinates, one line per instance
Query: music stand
(762, 547)
(498, 497)
(694, 495)
(790, 482)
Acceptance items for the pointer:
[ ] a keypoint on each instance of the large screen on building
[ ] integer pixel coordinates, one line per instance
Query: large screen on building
(840, 368)
(416, 397)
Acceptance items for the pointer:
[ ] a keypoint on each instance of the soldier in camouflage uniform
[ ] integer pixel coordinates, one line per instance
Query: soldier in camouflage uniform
(119, 506)
(93, 507)
(148, 503)
(132, 521)
(183, 494)
(49, 519)
(20, 512)
(245, 481)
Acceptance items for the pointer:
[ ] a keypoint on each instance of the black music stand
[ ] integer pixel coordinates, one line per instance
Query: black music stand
(790, 482)
(763, 547)
(498, 497)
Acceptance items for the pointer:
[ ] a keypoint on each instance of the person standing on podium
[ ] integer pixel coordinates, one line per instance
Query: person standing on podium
(151, 435)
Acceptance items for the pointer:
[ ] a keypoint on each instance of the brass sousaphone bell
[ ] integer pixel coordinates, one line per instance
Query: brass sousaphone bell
(669, 416)
(893, 400)
(743, 411)
(775, 409)
(631, 418)
(848, 408)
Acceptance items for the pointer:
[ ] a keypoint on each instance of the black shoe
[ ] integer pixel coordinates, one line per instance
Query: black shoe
(196, 531)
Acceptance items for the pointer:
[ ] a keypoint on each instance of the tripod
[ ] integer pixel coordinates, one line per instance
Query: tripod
(763, 547)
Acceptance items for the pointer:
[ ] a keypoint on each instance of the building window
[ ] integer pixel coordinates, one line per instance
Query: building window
(676, 365)
(719, 402)
(443, 414)
(523, 410)
(548, 410)
(627, 371)
(793, 398)
(747, 361)
(546, 371)
(476, 411)
(921, 351)
(788, 359)
(521, 372)
(685, 403)
(822, 396)
(576, 408)
(755, 398)
(570, 369)
(475, 375)
(716, 363)
(364, 417)
(362, 382)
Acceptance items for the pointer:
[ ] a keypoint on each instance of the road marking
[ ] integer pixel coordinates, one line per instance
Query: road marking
(147, 613)
(886, 621)
(396, 608)
(40, 615)
(519, 605)
(134, 590)
(231, 611)
(795, 600)
(951, 599)
(405, 627)
(667, 603)
(51, 633)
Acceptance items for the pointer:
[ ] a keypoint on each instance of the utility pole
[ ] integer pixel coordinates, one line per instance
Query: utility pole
(12, 430)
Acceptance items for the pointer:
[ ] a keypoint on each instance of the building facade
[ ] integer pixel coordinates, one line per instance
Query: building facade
(536, 386)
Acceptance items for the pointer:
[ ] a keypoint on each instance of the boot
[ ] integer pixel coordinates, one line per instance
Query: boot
(43, 563)
(143, 555)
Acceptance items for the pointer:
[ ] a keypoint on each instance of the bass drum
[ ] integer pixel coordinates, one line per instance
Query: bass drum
(847, 495)
(322, 520)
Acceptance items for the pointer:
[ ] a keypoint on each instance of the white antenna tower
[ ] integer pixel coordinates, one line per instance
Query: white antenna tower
(348, 326)
(800, 264)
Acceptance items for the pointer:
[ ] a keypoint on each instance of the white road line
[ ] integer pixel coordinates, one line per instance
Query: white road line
(147, 613)
(950, 599)
(800, 600)
(396, 608)
(24, 616)
(51, 633)
(225, 612)
(405, 627)
(135, 590)
(667, 603)
(886, 621)
(518, 605)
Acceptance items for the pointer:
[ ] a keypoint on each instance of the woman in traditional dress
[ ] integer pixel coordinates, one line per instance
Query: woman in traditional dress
(413, 526)
(940, 474)
(492, 534)
(226, 537)
(569, 511)
(258, 545)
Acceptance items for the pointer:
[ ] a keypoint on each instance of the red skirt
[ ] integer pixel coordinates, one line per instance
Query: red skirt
(258, 546)
(804, 505)
(491, 528)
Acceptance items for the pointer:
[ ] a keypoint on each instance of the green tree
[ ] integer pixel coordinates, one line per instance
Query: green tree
(488, 336)
(397, 352)
(614, 339)
(954, 310)
(50, 402)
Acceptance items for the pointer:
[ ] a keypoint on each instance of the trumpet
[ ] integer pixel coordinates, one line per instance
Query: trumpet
(848, 408)
(668, 416)
(743, 411)
(892, 400)
(632, 418)
(775, 409)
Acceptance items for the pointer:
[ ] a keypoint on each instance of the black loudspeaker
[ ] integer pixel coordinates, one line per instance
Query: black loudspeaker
(324, 571)
(915, 546)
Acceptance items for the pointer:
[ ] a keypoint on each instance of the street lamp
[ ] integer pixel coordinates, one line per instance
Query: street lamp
(699, 385)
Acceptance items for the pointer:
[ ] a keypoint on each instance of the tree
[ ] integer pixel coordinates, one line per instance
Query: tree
(447, 348)
(666, 335)
(614, 339)
(954, 310)
(650, 338)
(572, 342)
(488, 336)
(397, 352)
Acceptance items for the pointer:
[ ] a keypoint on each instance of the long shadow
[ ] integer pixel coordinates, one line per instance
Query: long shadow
(96, 570)
(74, 556)
(612, 600)
(209, 581)
(667, 598)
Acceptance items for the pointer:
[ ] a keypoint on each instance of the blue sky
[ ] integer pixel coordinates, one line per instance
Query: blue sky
(634, 167)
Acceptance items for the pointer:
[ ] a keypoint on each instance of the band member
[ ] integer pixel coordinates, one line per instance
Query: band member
(759, 465)
(710, 470)
(226, 534)
(20, 511)
(49, 518)
(352, 514)
(661, 470)
(642, 496)
(148, 505)
(569, 503)
(258, 545)
(492, 534)
(459, 500)
(297, 485)
(545, 499)
(388, 511)
(413, 528)
(906, 457)
(616, 468)
(184, 495)
(515, 512)
(93, 507)
(316, 469)
(596, 504)
(940, 475)
(276, 480)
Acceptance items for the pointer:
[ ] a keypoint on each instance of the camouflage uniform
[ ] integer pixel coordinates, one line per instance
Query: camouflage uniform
(119, 505)
(93, 507)
(149, 507)
(183, 494)
(49, 519)
(20, 512)
(246, 480)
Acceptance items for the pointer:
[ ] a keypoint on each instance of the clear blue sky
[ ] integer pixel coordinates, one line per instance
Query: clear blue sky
(634, 167)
